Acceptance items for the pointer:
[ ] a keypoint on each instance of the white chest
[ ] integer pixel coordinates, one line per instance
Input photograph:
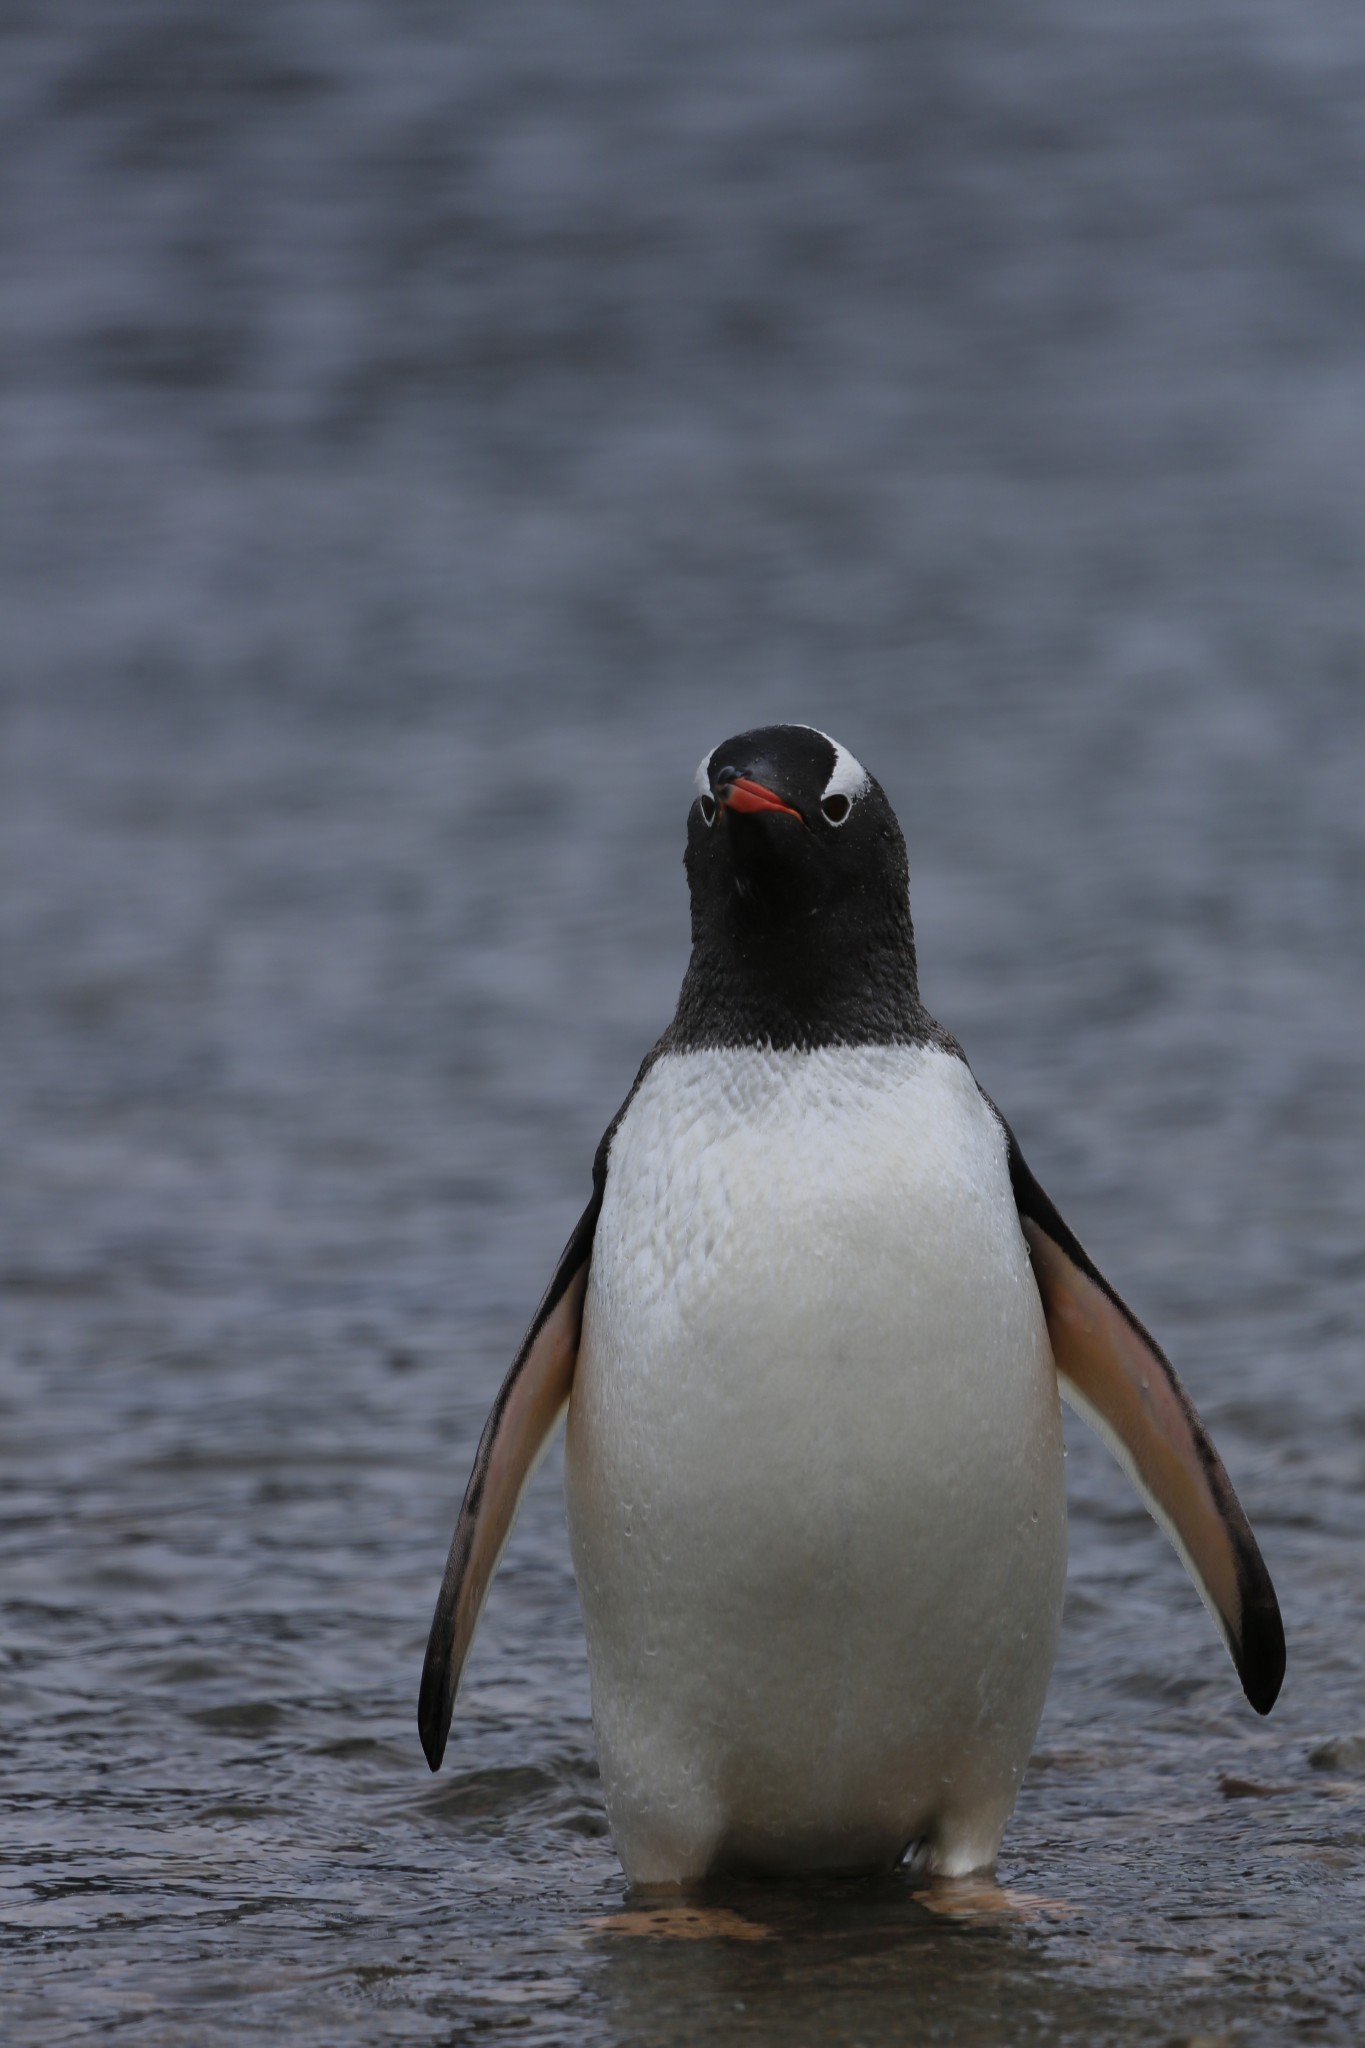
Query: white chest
(796, 1231)
(813, 1432)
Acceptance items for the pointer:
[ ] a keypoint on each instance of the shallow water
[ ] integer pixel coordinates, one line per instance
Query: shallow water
(423, 436)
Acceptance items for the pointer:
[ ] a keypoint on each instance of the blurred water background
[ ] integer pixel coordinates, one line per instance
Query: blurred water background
(425, 430)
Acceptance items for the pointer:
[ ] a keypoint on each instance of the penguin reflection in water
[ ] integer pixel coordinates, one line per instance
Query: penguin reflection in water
(810, 1331)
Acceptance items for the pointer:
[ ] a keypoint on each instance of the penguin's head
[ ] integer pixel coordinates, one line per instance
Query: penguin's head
(787, 826)
(800, 895)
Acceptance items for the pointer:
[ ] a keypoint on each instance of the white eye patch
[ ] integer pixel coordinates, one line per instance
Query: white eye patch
(849, 777)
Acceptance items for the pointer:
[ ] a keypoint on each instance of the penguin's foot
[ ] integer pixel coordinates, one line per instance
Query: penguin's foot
(981, 1898)
(678, 1918)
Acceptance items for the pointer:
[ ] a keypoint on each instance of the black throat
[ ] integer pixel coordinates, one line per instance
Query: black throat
(819, 979)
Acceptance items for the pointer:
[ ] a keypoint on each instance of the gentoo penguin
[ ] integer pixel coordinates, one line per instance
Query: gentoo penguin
(810, 1331)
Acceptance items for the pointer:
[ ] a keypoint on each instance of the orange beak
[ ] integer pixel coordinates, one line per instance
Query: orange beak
(745, 796)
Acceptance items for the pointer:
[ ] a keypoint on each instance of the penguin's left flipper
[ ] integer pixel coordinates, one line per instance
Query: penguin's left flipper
(531, 1401)
(1118, 1379)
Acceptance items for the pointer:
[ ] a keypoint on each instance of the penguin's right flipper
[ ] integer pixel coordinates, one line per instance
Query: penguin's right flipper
(1115, 1375)
(531, 1401)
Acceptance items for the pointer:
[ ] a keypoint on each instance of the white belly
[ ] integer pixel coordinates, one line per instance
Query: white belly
(814, 1468)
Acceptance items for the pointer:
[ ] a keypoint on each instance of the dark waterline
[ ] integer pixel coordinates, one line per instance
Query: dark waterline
(425, 431)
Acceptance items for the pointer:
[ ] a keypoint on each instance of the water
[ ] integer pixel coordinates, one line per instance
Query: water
(425, 431)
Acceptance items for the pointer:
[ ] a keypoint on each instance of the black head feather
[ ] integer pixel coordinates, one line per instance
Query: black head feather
(801, 932)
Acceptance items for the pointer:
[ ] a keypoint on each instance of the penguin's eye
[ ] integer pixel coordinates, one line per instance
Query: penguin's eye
(707, 804)
(835, 809)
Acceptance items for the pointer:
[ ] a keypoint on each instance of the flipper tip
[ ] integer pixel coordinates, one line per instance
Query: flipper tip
(435, 1705)
(1261, 1655)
